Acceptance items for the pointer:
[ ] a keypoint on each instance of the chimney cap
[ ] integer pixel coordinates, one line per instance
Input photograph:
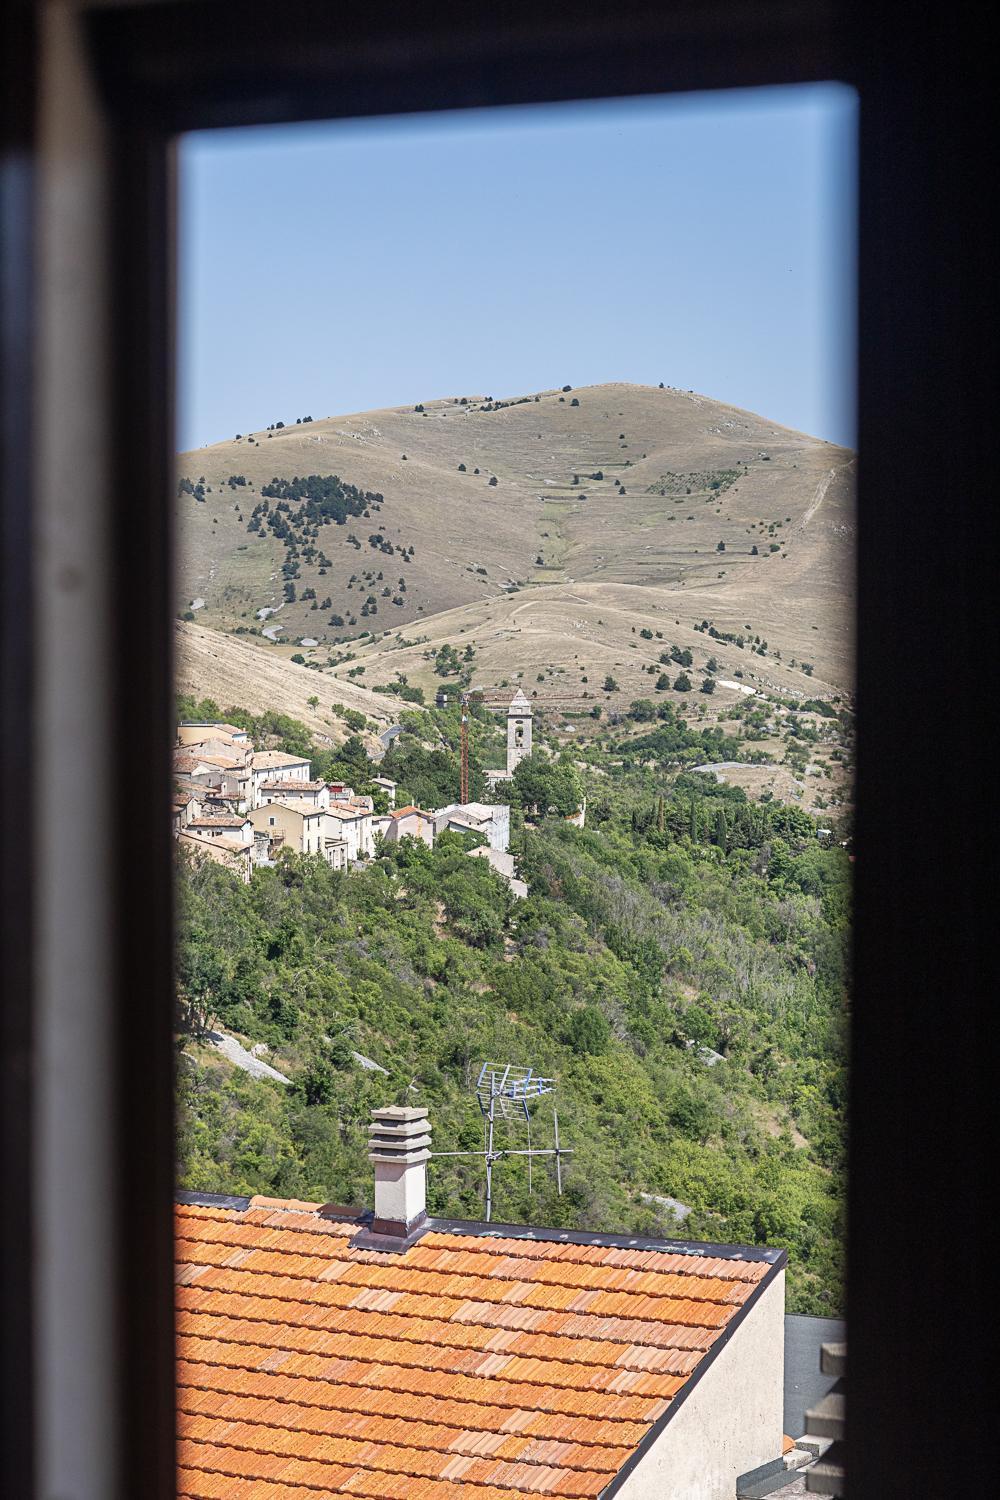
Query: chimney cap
(398, 1138)
(399, 1134)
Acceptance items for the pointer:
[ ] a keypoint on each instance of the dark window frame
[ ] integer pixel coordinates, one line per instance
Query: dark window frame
(919, 1093)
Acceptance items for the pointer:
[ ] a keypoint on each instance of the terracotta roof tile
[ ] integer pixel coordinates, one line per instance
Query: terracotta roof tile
(471, 1365)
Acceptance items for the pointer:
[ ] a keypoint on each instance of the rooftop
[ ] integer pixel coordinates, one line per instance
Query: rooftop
(271, 760)
(480, 812)
(488, 1361)
(339, 808)
(184, 760)
(232, 730)
(300, 786)
(301, 805)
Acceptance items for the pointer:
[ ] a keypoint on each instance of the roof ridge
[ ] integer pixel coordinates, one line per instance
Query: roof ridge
(523, 1233)
(386, 1259)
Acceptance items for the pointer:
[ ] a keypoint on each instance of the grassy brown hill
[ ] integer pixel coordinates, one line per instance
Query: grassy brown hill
(237, 672)
(606, 519)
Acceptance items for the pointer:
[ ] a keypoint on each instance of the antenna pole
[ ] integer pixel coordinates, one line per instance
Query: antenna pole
(489, 1164)
(508, 1091)
(555, 1124)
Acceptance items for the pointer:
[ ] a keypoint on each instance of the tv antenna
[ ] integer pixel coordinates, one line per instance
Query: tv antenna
(504, 1093)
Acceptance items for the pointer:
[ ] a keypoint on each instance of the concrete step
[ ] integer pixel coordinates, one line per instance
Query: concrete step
(814, 1446)
(763, 1481)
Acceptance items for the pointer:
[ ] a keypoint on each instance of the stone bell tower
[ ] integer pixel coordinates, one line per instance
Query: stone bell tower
(518, 731)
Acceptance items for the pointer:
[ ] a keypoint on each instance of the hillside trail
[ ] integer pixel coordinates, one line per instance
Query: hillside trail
(820, 494)
(237, 1054)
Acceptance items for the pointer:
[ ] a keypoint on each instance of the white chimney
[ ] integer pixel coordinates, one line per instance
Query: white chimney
(398, 1149)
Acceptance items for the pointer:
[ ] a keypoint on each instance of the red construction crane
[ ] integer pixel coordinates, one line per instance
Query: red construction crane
(498, 698)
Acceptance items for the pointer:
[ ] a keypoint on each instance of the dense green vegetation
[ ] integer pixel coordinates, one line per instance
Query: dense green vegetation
(680, 967)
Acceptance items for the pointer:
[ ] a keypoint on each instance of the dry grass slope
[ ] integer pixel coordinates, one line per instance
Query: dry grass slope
(237, 673)
(550, 572)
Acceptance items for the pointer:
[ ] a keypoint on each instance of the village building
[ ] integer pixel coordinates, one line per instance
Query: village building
(387, 785)
(503, 863)
(222, 825)
(237, 785)
(223, 799)
(351, 822)
(190, 763)
(578, 819)
(276, 765)
(233, 854)
(491, 819)
(315, 792)
(298, 826)
(195, 731)
(410, 822)
(385, 1352)
(262, 848)
(218, 767)
(184, 806)
(336, 851)
(218, 744)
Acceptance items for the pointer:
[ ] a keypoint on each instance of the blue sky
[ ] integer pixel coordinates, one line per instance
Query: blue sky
(706, 241)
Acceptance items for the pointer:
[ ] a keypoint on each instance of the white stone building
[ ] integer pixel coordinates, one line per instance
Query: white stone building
(352, 823)
(196, 731)
(410, 822)
(232, 854)
(503, 864)
(491, 819)
(277, 790)
(275, 765)
(388, 786)
(221, 825)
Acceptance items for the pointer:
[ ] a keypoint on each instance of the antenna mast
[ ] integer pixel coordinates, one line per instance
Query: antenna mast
(503, 1093)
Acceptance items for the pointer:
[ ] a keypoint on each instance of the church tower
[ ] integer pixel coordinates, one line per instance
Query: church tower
(518, 731)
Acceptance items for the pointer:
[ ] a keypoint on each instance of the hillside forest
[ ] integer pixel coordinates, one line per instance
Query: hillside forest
(680, 967)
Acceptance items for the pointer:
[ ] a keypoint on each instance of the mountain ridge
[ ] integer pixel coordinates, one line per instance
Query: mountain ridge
(639, 508)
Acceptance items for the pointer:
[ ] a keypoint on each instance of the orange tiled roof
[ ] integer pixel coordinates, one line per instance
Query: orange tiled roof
(472, 1366)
